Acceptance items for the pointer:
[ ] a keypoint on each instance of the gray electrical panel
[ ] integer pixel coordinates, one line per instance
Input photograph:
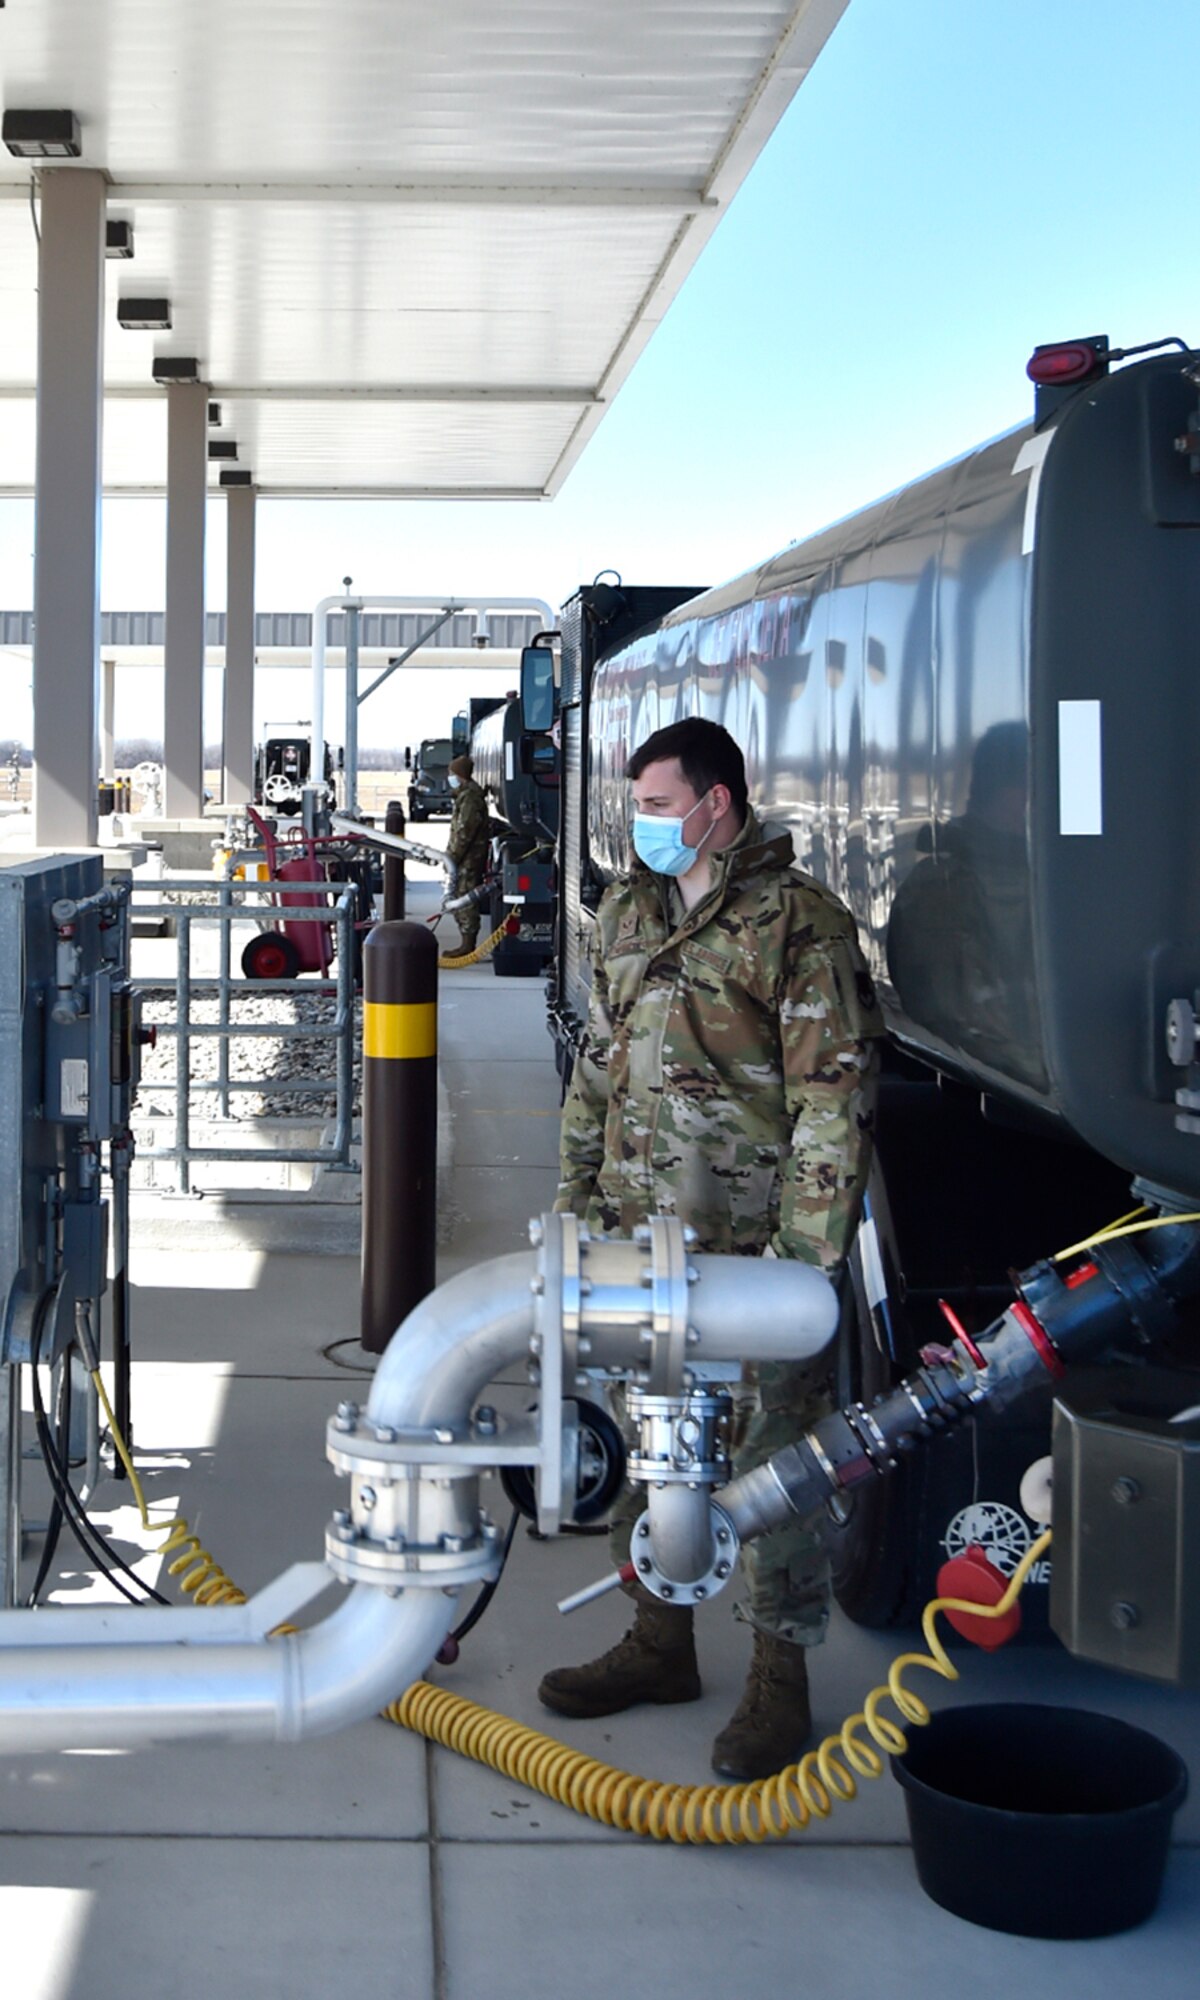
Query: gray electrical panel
(69, 1038)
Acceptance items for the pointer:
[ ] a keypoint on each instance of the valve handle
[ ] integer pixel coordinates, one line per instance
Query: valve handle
(612, 1581)
(960, 1333)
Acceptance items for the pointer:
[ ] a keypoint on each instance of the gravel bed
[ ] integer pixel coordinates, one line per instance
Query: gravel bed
(264, 1057)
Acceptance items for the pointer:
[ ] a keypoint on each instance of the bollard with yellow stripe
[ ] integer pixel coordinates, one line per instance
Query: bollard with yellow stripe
(399, 1113)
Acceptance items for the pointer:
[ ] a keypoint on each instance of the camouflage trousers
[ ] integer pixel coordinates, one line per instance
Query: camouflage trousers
(470, 875)
(785, 1574)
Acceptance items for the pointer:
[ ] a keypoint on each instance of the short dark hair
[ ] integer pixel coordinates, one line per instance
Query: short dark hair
(707, 754)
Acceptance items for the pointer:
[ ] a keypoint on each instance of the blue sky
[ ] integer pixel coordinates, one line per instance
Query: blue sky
(956, 181)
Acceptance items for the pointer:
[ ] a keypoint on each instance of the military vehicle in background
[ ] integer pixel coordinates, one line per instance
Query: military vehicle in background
(429, 788)
(281, 767)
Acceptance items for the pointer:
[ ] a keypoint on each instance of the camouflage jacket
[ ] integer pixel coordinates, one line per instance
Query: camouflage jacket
(468, 836)
(726, 1073)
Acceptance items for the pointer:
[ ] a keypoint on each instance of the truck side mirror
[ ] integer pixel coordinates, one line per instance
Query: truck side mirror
(408, 757)
(537, 688)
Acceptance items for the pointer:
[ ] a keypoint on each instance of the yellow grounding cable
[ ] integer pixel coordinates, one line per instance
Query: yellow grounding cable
(200, 1576)
(481, 951)
(696, 1815)
(766, 1809)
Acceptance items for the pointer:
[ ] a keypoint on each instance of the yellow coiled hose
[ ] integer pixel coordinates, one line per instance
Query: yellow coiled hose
(696, 1815)
(200, 1576)
(481, 951)
(767, 1809)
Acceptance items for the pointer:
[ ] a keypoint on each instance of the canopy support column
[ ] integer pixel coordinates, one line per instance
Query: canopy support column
(183, 689)
(66, 560)
(238, 754)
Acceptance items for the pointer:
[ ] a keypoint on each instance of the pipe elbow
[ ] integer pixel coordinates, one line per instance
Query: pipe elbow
(454, 1343)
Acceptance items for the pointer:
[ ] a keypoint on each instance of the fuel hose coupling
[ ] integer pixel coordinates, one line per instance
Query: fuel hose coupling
(1118, 1297)
(414, 1517)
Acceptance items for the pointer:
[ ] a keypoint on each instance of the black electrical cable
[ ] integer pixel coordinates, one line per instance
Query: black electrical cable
(489, 1590)
(54, 1525)
(90, 1541)
(70, 1502)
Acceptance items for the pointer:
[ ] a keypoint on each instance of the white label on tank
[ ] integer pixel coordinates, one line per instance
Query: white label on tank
(1031, 458)
(1080, 806)
(508, 762)
(74, 1087)
(874, 1282)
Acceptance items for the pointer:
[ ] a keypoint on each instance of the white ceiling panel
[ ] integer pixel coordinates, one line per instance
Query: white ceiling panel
(414, 248)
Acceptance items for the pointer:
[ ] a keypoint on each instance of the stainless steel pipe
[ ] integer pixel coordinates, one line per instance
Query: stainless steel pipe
(104, 1678)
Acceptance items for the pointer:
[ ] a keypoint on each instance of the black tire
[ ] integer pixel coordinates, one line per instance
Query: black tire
(602, 1469)
(271, 955)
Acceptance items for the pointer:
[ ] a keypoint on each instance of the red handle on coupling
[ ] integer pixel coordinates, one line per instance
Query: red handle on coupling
(960, 1332)
(1038, 1338)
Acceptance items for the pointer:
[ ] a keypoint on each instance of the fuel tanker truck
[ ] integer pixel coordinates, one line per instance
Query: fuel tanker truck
(975, 706)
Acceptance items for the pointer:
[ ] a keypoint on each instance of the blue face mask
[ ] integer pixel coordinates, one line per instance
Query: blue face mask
(660, 843)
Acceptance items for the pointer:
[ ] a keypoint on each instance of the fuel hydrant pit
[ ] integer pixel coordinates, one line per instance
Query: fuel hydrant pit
(1045, 1822)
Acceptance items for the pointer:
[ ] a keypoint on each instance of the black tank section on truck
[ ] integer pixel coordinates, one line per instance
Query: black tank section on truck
(468, 719)
(973, 705)
(518, 771)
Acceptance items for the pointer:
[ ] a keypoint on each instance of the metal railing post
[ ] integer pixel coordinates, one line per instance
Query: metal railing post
(223, 998)
(183, 1047)
(223, 907)
(344, 1098)
(351, 616)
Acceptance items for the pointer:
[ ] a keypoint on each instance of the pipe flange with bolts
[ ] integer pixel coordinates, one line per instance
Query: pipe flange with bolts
(722, 1555)
(407, 1524)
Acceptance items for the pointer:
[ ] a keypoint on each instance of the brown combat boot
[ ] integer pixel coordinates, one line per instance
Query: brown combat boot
(654, 1662)
(772, 1722)
(462, 949)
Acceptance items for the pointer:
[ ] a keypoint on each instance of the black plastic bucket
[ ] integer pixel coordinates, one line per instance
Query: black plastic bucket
(1050, 1822)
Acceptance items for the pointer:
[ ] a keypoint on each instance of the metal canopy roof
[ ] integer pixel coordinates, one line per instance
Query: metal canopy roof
(416, 248)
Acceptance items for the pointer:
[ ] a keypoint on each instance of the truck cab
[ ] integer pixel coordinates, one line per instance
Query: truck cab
(430, 791)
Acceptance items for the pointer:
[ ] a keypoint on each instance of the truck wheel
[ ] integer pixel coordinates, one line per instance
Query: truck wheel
(600, 1475)
(271, 955)
(871, 1554)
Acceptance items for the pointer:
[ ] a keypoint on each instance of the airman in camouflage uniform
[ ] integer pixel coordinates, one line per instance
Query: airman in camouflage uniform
(467, 847)
(726, 1077)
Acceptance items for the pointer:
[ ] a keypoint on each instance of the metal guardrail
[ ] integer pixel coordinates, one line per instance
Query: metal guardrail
(230, 904)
